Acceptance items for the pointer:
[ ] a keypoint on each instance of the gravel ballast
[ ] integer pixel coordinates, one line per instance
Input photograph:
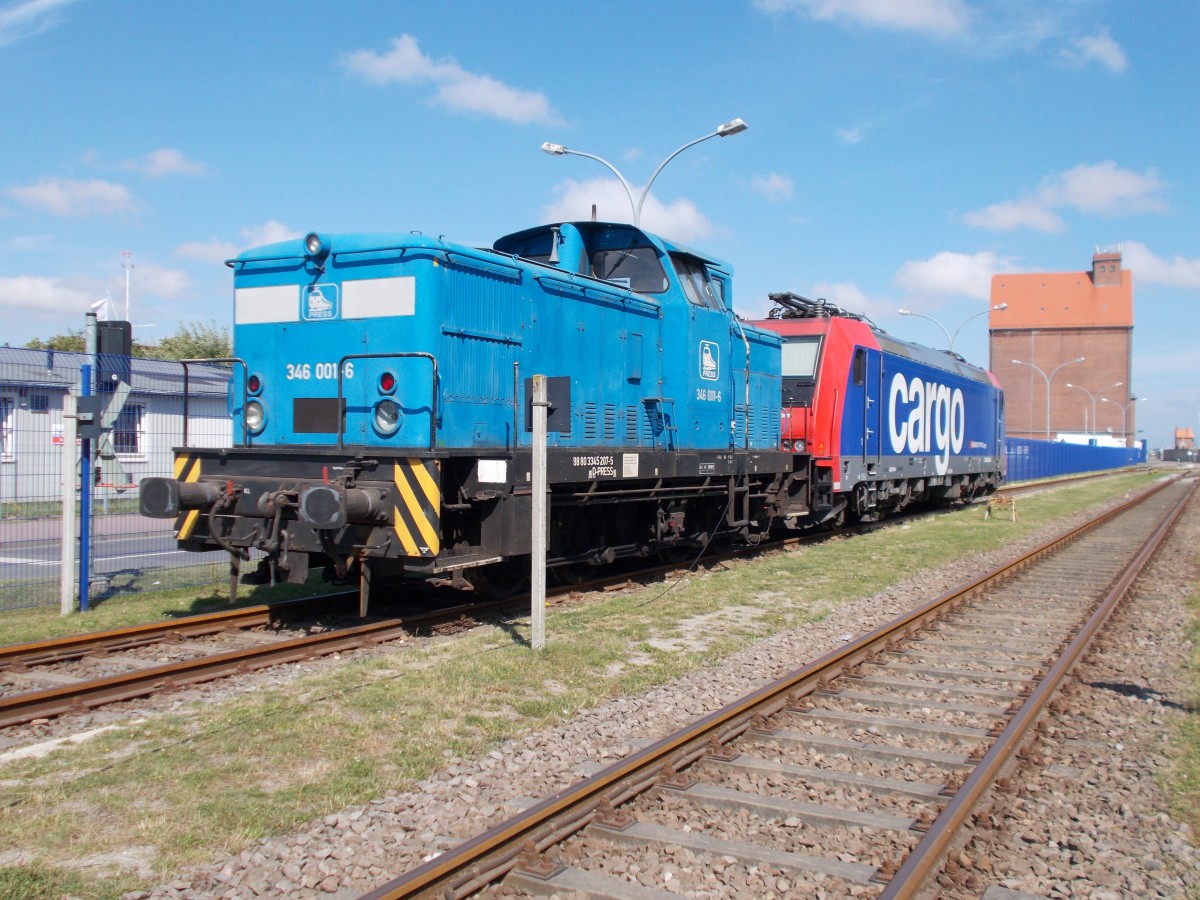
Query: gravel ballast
(1088, 820)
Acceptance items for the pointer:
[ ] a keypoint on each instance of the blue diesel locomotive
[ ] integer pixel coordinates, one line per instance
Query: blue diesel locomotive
(381, 398)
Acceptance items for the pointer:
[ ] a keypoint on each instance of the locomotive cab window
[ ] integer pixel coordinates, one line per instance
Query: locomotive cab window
(634, 265)
(798, 361)
(860, 366)
(697, 285)
(800, 358)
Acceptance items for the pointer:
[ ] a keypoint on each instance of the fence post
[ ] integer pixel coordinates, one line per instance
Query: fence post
(66, 576)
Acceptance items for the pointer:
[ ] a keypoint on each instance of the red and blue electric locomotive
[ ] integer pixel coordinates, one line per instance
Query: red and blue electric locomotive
(877, 424)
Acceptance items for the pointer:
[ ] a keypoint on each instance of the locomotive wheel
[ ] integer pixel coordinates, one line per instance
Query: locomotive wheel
(500, 581)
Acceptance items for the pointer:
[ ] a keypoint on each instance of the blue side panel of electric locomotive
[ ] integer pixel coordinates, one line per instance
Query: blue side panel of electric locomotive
(912, 405)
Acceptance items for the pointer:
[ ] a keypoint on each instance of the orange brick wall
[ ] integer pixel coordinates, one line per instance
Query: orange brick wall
(1107, 360)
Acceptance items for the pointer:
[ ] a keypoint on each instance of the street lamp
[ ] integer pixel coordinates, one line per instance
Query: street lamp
(734, 126)
(1124, 413)
(950, 338)
(1093, 396)
(1049, 378)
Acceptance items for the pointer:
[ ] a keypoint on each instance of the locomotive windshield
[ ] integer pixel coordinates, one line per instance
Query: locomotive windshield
(800, 357)
(634, 266)
(697, 285)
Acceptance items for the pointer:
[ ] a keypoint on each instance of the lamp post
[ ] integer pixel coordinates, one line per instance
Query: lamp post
(734, 126)
(1092, 395)
(1048, 379)
(1124, 413)
(951, 338)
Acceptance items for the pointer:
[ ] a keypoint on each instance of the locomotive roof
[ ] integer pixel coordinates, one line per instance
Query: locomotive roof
(789, 306)
(594, 228)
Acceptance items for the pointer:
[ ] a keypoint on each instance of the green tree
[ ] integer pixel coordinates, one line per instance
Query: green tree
(194, 341)
(71, 342)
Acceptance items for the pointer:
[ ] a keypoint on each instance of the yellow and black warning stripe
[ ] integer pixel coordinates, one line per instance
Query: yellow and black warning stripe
(187, 469)
(417, 510)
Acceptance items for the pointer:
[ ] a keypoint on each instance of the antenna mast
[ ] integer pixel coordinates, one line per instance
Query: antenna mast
(127, 265)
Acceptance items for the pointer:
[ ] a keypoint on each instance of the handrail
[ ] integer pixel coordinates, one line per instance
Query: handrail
(245, 394)
(433, 404)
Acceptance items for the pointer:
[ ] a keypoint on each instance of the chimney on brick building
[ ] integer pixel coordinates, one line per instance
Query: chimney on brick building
(1106, 268)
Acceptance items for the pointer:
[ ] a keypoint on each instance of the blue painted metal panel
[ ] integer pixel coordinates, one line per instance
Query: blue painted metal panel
(647, 368)
(923, 411)
(1031, 459)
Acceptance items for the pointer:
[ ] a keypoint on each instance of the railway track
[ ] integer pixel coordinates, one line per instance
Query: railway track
(76, 674)
(851, 776)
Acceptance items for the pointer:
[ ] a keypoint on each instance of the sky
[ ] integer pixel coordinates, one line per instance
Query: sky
(899, 152)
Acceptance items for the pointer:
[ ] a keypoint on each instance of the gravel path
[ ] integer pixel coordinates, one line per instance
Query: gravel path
(1090, 822)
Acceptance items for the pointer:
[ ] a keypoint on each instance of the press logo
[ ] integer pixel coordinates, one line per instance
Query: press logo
(319, 301)
(710, 360)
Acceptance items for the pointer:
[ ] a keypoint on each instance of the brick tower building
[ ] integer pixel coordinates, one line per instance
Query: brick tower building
(1062, 350)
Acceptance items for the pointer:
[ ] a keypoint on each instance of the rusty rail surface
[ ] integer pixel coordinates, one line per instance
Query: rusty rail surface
(522, 839)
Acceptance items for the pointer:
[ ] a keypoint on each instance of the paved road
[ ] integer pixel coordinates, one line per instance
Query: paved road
(37, 557)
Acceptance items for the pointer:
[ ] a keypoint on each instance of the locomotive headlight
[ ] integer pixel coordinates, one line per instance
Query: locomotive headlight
(255, 417)
(315, 246)
(799, 447)
(387, 416)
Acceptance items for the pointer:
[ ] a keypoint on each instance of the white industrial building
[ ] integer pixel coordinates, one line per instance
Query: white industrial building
(144, 432)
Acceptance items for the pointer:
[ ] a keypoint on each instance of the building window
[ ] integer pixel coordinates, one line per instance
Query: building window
(39, 402)
(127, 430)
(6, 428)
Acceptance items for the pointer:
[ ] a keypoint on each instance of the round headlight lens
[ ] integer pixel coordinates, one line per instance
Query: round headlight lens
(387, 416)
(256, 417)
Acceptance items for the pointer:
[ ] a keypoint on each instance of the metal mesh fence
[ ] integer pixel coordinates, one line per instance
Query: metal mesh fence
(141, 404)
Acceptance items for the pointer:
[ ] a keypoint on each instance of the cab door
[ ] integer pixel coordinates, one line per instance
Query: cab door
(864, 411)
(711, 397)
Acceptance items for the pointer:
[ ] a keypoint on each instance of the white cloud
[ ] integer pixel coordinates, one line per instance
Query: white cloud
(1099, 47)
(1179, 271)
(151, 279)
(940, 18)
(271, 232)
(850, 297)
(164, 161)
(850, 135)
(32, 295)
(458, 89)
(1012, 214)
(217, 251)
(65, 197)
(950, 274)
(1108, 190)
(213, 251)
(1103, 189)
(680, 221)
(23, 20)
(773, 186)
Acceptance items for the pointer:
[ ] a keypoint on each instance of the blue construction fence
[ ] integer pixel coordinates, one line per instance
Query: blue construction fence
(1029, 459)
